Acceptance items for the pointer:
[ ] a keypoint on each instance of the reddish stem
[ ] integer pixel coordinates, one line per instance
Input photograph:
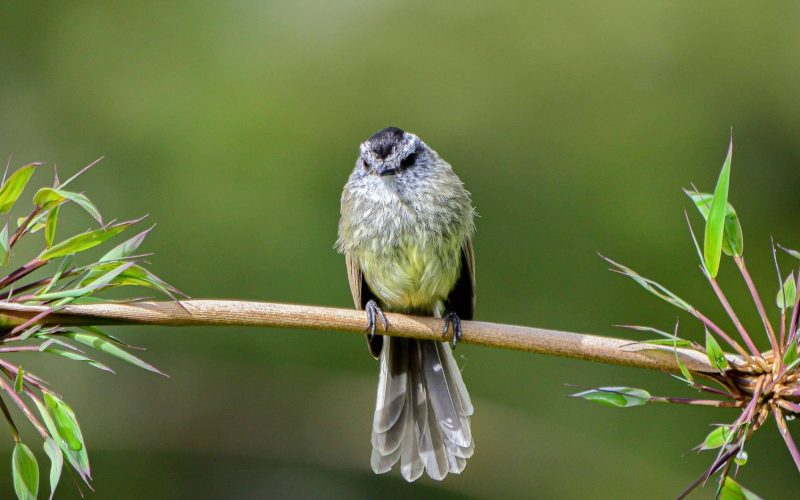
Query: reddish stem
(787, 437)
(759, 306)
(734, 318)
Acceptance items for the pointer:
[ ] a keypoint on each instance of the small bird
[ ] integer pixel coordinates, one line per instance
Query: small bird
(406, 232)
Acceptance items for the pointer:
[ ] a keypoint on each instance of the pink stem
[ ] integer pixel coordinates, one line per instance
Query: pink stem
(787, 437)
(759, 306)
(713, 326)
(728, 309)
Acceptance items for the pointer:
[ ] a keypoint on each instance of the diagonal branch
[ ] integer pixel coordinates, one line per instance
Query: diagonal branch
(275, 315)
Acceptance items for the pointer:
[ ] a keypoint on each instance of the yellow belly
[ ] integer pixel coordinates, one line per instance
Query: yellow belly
(410, 277)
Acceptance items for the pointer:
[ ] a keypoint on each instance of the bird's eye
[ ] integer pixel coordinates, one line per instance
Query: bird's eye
(408, 161)
(364, 164)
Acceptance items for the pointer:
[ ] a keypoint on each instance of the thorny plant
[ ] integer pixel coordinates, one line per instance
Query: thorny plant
(71, 283)
(763, 385)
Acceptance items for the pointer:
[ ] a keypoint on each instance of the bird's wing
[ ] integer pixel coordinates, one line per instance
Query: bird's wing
(361, 295)
(462, 298)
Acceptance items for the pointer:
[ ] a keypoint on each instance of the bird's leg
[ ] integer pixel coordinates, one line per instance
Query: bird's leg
(451, 317)
(374, 312)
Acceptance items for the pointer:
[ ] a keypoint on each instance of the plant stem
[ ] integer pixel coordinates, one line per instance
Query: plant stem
(734, 318)
(759, 306)
(274, 315)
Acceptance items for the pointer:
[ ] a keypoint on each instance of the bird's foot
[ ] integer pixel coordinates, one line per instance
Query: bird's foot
(373, 313)
(452, 318)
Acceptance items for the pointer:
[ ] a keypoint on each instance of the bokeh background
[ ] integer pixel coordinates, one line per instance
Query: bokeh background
(574, 124)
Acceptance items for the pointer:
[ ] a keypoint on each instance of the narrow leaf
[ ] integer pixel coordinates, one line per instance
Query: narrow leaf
(50, 227)
(109, 347)
(731, 490)
(790, 356)
(715, 353)
(49, 197)
(65, 421)
(84, 241)
(79, 460)
(18, 381)
(787, 294)
(14, 186)
(682, 367)
(56, 463)
(26, 472)
(126, 248)
(717, 438)
(793, 253)
(715, 224)
(5, 251)
(733, 240)
(97, 284)
(77, 357)
(620, 397)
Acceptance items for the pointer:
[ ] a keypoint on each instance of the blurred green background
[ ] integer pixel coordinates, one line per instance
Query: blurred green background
(573, 124)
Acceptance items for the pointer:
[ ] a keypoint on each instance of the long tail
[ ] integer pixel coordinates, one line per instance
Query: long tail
(422, 413)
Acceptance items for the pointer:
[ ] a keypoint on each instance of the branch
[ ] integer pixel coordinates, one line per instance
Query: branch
(265, 314)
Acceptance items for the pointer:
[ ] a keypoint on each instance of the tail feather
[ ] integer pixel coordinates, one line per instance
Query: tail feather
(422, 411)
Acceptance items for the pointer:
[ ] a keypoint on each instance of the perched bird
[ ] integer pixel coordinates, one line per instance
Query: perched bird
(406, 231)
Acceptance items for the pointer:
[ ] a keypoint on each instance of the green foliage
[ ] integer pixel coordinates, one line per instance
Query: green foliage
(620, 397)
(715, 353)
(787, 294)
(25, 471)
(715, 223)
(731, 490)
(733, 238)
(743, 386)
(13, 186)
(118, 267)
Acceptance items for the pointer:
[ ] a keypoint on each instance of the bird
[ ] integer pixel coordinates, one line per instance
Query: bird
(405, 229)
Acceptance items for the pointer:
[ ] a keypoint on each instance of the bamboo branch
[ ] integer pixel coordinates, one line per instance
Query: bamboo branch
(274, 315)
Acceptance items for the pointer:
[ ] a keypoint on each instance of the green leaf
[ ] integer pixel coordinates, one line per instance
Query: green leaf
(126, 248)
(102, 343)
(50, 227)
(84, 241)
(793, 253)
(733, 240)
(65, 421)
(76, 356)
(50, 197)
(26, 472)
(79, 459)
(33, 225)
(717, 438)
(18, 381)
(715, 224)
(682, 367)
(97, 284)
(787, 294)
(5, 250)
(731, 490)
(651, 286)
(56, 463)
(620, 397)
(13, 187)
(669, 342)
(715, 353)
(790, 356)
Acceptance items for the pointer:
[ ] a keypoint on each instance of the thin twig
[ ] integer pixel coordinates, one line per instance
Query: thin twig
(274, 315)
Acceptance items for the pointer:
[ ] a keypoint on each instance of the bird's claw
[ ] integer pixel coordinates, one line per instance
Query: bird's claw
(452, 318)
(374, 312)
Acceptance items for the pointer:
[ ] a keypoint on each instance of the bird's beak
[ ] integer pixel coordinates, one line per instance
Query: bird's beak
(384, 170)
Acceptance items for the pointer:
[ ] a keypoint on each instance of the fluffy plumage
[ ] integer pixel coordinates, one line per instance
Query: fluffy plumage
(405, 229)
